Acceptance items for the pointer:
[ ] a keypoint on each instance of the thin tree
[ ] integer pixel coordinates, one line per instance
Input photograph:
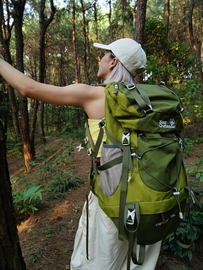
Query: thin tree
(5, 36)
(10, 250)
(166, 12)
(141, 7)
(196, 39)
(77, 66)
(18, 12)
(46, 16)
(85, 36)
(110, 19)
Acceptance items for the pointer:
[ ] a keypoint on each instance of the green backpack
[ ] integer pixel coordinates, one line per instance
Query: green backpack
(141, 182)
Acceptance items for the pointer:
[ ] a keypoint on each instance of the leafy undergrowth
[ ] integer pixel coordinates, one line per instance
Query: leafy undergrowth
(47, 235)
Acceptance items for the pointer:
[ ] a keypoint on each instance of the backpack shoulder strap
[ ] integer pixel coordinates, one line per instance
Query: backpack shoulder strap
(140, 96)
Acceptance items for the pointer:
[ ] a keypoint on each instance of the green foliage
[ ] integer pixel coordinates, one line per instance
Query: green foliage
(191, 229)
(64, 119)
(14, 149)
(48, 231)
(188, 146)
(192, 97)
(26, 200)
(33, 256)
(168, 61)
(65, 182)
(185, 235)
(195, 169)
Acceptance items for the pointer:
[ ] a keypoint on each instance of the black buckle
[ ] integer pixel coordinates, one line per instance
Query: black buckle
(149, 109)
(101, 122)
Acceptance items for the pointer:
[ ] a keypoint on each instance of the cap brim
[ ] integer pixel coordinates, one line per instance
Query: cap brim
(101, 46)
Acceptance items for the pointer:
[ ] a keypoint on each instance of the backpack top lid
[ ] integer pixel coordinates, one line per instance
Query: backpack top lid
(163, 117)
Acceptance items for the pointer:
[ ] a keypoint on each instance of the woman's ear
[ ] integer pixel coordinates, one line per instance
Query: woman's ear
(114, 62)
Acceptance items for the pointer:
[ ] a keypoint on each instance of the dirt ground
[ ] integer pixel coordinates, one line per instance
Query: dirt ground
(47, 236)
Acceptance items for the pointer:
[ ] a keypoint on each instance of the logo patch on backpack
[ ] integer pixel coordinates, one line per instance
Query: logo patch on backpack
(167, 124)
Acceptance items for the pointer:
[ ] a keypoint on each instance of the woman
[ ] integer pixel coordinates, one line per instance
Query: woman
(123, 59)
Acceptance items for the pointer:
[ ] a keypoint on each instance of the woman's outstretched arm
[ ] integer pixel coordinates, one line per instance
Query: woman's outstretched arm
(72, 95)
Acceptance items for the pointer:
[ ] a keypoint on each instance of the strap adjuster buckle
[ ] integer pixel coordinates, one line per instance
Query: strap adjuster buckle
(126, 138)
(101, 122)
(85, 140)
(79, 147)
(89, 152)
(132, 217)
(149, 109)
(130, 86)
(130, 220)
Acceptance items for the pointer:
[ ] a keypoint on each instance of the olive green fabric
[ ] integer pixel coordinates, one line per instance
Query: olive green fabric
(144, 122)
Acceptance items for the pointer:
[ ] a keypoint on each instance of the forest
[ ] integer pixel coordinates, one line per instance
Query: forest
(51, 41)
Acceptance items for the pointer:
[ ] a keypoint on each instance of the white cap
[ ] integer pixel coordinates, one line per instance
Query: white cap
(128, 52)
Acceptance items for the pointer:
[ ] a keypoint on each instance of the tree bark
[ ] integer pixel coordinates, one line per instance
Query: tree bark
(166, 12)
(139, 29)
(10, 251)
(196, 42)
(85, 42)
(5, 36)
(23, 107)
(45, 18)
(77, 69)
(109, 19)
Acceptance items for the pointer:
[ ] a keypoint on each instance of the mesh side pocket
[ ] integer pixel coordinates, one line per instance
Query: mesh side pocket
(110, 178)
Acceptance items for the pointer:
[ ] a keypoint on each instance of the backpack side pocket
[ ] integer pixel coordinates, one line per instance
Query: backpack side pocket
(110, 177)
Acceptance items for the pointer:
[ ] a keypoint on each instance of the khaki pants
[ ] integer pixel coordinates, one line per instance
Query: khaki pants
(106, 252)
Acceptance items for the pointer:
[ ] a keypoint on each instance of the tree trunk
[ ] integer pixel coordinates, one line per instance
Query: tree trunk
(166, 12)
(196, 42)
(5, 36)
(18, 22)
(33, 127)
(10, 251)
(77, 69)
(42, 69)
(139, 29)
(97, 34)
(14, 112)
(45, 18)
(109, 19)
(84, 27)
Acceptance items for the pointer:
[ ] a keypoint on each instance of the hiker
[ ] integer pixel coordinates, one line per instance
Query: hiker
(122, 60)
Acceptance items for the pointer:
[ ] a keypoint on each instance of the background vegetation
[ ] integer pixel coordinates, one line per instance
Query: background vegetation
(51, 41)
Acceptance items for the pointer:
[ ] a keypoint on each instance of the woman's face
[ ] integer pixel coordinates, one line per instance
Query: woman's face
(106, 65)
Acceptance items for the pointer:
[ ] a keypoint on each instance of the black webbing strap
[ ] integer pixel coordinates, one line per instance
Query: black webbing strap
(131, 223)
(87, 227)
(99, 138)
(110, 163)
(118, 159)
(127, 166)
(94, 148)
(123, 193)
(94, 151)
(138, 260)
